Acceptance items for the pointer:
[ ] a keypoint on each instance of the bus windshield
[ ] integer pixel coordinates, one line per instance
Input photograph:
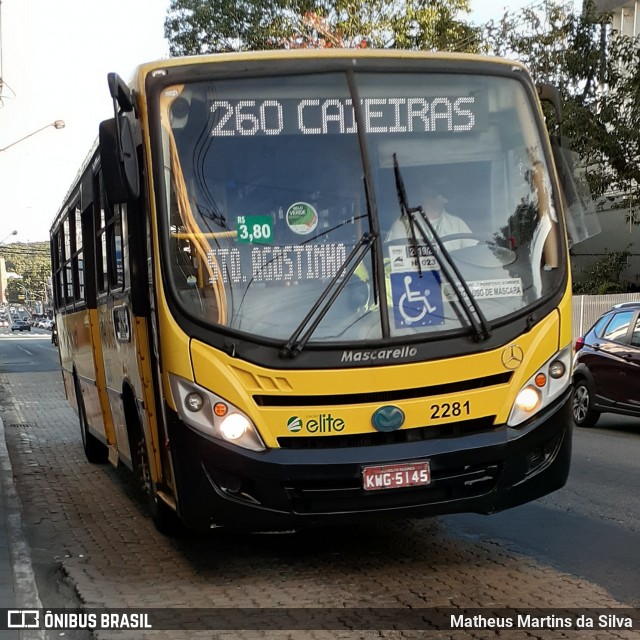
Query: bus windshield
(271, 183)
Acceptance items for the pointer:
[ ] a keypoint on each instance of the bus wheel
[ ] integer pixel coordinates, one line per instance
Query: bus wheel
(94, 450)
(164, 517)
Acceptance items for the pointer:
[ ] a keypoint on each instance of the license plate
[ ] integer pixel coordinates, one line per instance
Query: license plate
(396, 476)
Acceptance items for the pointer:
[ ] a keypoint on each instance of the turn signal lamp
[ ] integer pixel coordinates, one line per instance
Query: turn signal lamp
(220, 409)
(540, 380)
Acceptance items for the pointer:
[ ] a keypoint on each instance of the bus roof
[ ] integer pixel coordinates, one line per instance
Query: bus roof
(326, 54)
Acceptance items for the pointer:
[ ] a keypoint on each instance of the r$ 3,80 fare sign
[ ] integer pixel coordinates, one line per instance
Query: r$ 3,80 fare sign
(254, 229)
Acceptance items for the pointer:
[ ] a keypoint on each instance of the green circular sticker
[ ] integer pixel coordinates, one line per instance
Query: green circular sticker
(294, 424)
(302, 218)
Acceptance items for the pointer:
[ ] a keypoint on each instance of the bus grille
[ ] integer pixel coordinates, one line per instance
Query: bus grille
(383, 396)
(470, 481)
(450, 430)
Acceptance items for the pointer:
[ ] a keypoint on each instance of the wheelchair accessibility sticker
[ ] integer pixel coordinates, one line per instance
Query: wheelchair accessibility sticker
(417, 300)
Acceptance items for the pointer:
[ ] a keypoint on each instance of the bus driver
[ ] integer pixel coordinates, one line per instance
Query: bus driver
(444, 223)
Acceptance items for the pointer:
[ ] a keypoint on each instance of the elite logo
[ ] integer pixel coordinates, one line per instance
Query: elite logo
(324, 423)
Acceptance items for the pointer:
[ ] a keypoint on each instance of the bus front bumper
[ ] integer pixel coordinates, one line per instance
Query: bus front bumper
(222, 485)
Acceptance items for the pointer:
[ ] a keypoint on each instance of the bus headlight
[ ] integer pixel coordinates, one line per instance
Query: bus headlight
(234, 426)
(212, 415)
(547, 384)
(528, 399)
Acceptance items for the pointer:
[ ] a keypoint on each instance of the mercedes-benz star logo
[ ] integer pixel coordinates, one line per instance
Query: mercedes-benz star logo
(512, 357)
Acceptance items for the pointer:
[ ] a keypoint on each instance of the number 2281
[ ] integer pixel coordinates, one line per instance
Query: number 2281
(450, 410)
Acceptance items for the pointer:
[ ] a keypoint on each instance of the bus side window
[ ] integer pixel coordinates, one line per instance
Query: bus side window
(100, 227)
(115, 242)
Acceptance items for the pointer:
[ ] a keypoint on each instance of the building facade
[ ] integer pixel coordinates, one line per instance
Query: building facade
(625, 16)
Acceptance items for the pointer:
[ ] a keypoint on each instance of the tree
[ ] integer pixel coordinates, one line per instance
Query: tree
(32, 262)
(216, 26)
(412, 24)
(598, 74)
(603, 276)
(209, 26)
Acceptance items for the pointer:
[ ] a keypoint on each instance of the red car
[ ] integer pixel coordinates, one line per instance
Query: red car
(606, 366)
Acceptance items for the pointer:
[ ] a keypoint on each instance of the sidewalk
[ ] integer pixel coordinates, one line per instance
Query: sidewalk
(17, 582)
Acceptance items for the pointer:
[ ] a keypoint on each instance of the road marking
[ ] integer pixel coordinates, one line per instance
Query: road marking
(25, 350)
(33, 336)
(47, 348)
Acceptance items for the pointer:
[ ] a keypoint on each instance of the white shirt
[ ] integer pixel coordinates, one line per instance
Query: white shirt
(445, 225)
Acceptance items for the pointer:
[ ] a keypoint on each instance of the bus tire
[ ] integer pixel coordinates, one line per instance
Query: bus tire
(94, 450)
(164, 517)
(584, 415)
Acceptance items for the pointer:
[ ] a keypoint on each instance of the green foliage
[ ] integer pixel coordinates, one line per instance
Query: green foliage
(32, 261)
(414, 24)
(195, 27)
(596, 69)
(598, 73)
(603, 276)
(210, 26)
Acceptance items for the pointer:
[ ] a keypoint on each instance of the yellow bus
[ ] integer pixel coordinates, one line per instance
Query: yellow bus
(296, 288)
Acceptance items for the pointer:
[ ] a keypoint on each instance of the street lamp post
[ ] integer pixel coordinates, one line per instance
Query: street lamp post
(57, 124)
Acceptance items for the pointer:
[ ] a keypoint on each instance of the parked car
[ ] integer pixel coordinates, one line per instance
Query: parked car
(20, 325)
(606, 366)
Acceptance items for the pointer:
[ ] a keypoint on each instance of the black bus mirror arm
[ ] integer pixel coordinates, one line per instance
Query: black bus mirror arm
(550, 94)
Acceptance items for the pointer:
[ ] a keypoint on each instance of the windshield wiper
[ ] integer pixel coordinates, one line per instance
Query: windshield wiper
(469, 304)
(297, 342)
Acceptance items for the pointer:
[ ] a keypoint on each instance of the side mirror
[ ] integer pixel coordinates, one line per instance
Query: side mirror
(120, 92)
(119, 160)
(118, 155)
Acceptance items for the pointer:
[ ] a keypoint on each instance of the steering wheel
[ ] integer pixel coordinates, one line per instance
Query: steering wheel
(484, 247)
(464, 236)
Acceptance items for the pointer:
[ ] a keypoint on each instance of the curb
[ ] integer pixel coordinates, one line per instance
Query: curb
(24, 582)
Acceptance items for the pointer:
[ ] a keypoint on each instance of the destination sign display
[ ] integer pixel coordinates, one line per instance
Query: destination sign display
(277, 264)
(318, 116)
